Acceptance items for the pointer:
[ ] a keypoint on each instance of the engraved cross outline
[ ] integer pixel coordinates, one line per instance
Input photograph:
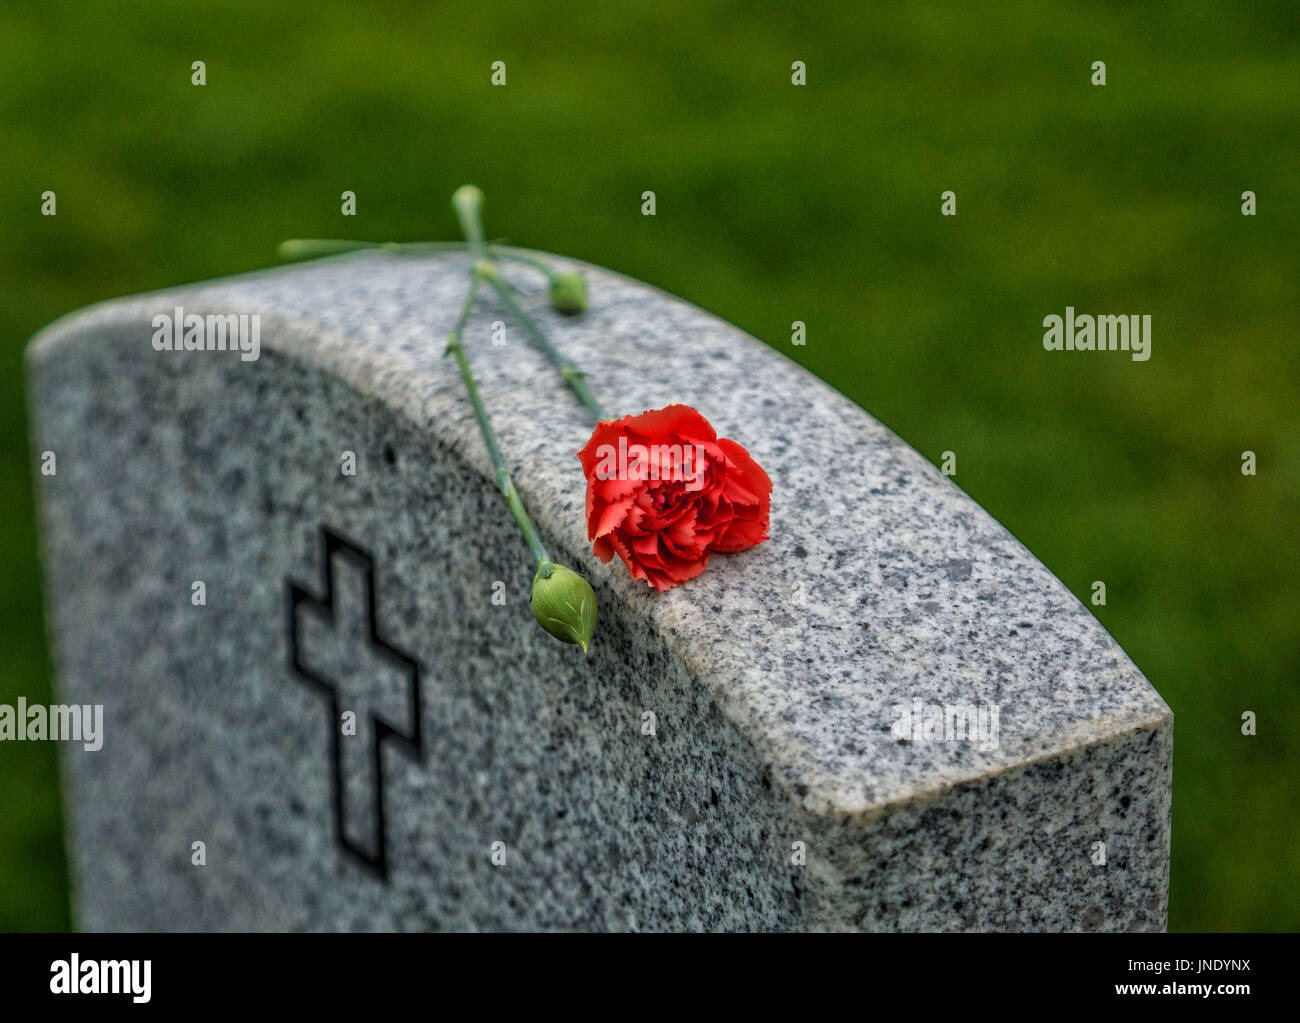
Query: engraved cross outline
(382, 732)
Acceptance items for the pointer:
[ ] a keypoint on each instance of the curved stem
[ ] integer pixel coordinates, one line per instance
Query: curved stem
(571, 374)
(502, 475)
(468, 204)
(517, 256)
(313, 248)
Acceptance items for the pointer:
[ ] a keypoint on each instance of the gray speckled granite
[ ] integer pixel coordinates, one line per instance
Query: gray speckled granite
(773, 716)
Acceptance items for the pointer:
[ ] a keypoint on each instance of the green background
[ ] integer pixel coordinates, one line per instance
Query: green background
(775, 203)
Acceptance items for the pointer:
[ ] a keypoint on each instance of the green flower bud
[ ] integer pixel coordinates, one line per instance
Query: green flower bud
(569, 292)
(564, 604)
(467, 199)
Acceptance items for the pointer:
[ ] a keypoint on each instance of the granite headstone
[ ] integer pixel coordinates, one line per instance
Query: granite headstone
(889, 716)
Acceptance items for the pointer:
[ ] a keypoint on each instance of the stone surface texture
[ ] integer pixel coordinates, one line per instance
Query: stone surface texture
(774, 678)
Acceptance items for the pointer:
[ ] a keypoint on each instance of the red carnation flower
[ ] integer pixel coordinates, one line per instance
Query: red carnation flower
(664, 492)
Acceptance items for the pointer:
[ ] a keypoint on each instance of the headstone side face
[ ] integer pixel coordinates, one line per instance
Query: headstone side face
(535, 796)
(1078, 842)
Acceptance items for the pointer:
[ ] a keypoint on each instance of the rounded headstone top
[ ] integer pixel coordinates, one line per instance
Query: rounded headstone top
(883, 590)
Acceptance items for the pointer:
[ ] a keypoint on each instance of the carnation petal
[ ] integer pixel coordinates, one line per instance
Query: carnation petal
(740, 535)
(611, 516)
(750, 472)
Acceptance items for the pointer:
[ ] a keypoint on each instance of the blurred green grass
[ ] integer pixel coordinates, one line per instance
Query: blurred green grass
(775, 204)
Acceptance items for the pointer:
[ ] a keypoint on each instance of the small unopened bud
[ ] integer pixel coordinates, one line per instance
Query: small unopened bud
(569, 292)
(467, 198)
(485, 268)
(564, 604)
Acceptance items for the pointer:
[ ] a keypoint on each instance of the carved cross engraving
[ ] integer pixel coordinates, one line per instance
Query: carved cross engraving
(335, 648)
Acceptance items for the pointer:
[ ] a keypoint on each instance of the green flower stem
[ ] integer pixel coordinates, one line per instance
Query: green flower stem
(468, 204)
(517, 256)
(562, 601)
(574, 377)
(314, 248)
(502, 475)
